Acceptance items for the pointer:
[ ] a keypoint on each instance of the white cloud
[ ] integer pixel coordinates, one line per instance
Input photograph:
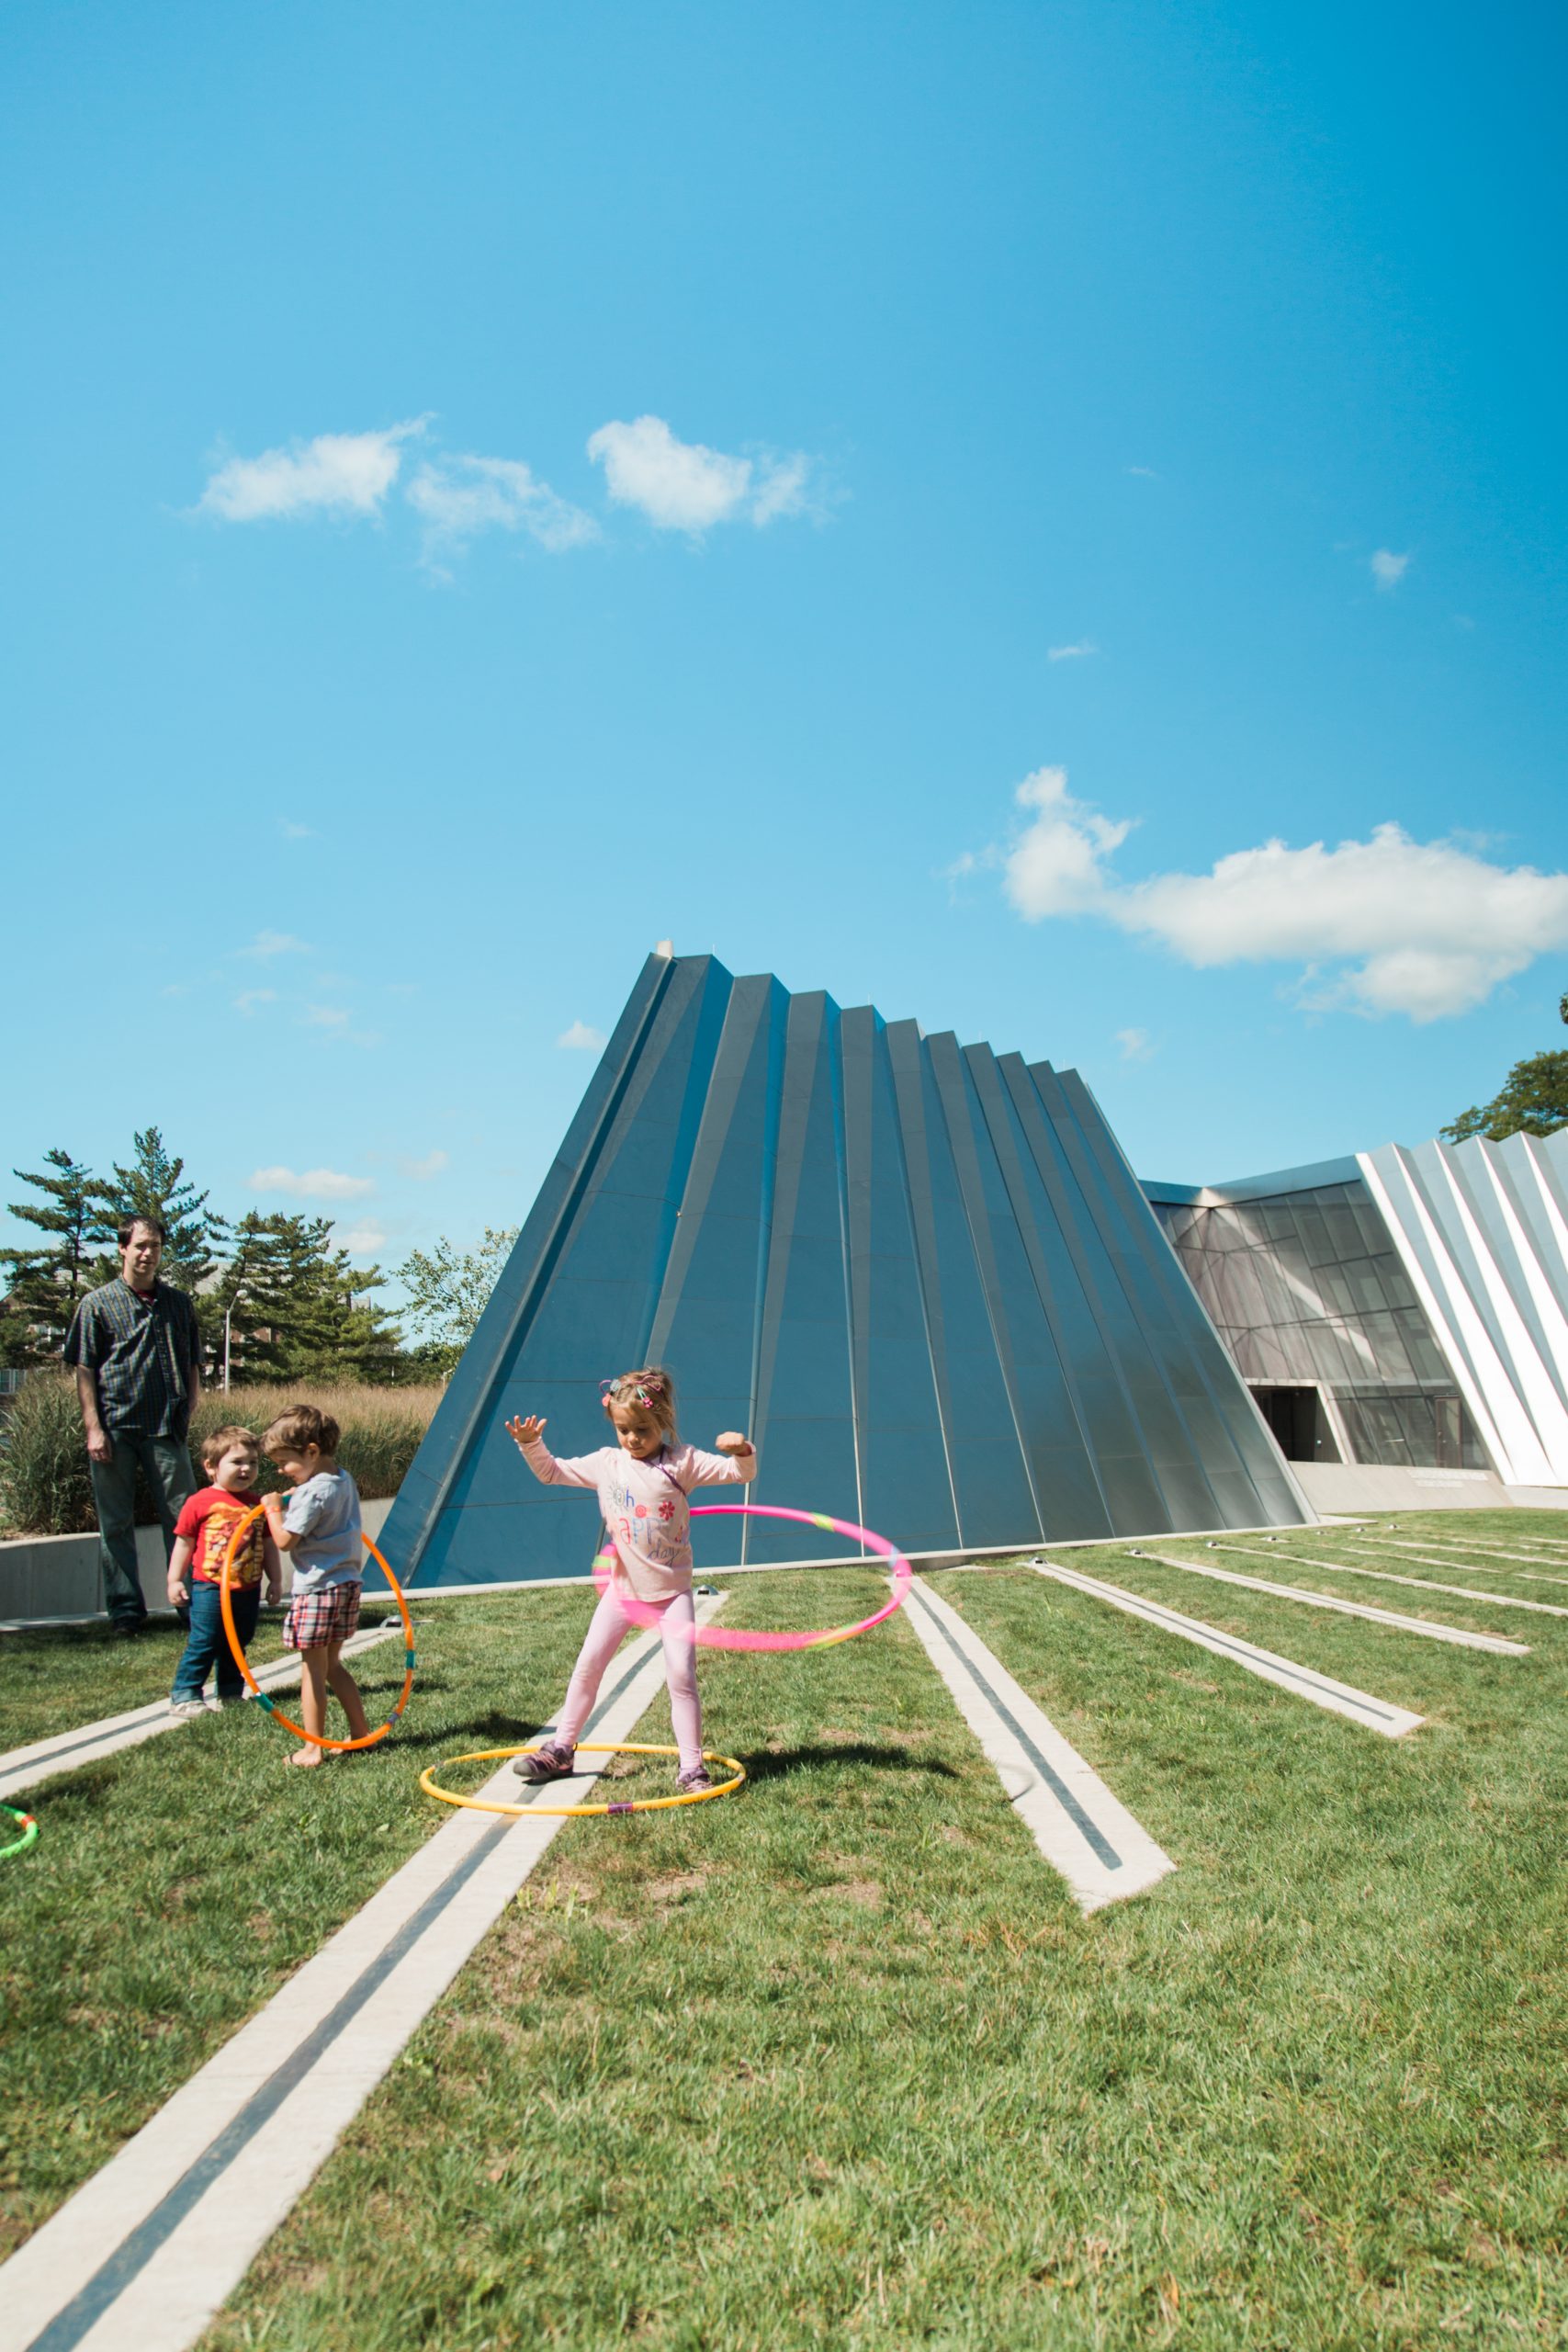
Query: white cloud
(1078, 653)
(1426, 929)
(360, 1240)
(1148, 472)
(297, 832)
(1056, 867)
(335, 1024)
(1389, 569)
(315, 1184)
(458, 498)
(422, 1170)
(583, 1039)
(248, 999)
(1135, 1045)
(683, 486)
(267, 944)
(337, 473)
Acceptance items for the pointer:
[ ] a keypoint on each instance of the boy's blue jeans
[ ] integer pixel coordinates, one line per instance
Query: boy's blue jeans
(206, 1640)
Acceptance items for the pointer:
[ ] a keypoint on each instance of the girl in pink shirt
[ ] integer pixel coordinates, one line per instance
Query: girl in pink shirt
(642, 1483)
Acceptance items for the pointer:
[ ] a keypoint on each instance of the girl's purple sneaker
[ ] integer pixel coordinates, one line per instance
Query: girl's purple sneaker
(688, 1784)
(552, 1761)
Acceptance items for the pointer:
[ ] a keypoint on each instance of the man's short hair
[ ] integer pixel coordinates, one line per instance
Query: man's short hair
(217, 1442)
(127, 1226)
(300, 1426)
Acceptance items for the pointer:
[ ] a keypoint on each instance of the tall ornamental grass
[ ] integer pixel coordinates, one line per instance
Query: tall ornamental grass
(45, 1488)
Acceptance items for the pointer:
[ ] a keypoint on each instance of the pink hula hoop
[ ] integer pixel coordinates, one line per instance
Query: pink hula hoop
(715, 1637)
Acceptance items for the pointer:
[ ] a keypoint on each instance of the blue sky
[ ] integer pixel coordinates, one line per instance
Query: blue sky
(493, 487)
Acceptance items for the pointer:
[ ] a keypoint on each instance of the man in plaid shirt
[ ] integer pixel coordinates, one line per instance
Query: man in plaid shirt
(137, 1351)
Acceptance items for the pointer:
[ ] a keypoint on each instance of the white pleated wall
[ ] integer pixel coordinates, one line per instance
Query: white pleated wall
(1483, 1231)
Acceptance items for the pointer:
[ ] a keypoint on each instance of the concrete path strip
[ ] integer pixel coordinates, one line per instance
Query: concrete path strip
(1420, 1584)
(1434, 1633)
(1322, 1690)
(1449, 1556)
(1436, 1560)
(1084, 1832)
(23, 1767)
(146, 2252)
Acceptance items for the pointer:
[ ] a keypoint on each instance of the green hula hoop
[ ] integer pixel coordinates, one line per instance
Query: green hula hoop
(29, 1831)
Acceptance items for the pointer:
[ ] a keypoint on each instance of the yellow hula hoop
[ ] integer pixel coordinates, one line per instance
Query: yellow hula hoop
(432, 1787)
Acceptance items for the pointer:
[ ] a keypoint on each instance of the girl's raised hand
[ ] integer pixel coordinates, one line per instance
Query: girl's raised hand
(732, 1441)
(527, 1431)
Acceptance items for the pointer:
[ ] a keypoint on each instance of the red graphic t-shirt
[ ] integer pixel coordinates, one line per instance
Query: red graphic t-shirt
(209, 1521)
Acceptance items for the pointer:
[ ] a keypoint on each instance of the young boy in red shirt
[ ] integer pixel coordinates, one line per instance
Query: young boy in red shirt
(203, 1531)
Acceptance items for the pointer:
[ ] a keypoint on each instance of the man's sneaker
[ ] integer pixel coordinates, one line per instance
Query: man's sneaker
(554, 1761)
(185, 1711)
(688, 1784)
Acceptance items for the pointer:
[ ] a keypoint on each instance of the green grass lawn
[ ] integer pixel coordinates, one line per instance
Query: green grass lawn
(836, 2062)
(54, 1678)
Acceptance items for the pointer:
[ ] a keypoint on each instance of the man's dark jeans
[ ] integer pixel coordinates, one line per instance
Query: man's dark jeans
(166, 1466)
(207, 1640)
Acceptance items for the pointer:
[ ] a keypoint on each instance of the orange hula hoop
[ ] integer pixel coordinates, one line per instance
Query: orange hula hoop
(225, 1601)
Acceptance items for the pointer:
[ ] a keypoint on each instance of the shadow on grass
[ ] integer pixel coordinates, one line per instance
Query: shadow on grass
(790, 1760)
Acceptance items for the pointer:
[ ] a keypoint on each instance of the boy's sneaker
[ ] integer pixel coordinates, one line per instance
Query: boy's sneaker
(185, 1711)
(554, 1761)
(688, 1784)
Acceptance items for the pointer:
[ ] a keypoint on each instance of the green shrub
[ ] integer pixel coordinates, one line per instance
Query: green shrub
(45, 1488)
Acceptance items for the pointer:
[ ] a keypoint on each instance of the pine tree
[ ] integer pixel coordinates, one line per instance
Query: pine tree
(156, 1185)
(46, 1282)
(299, 1305)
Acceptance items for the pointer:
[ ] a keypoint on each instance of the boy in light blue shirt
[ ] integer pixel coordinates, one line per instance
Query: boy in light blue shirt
(319, 1529)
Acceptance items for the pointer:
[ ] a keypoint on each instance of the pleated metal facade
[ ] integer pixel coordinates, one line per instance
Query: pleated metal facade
(922, 1276)
(1482, 1228)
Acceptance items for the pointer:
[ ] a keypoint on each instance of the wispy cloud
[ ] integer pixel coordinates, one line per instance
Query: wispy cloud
(1148, 472)
(297, 832)
(336, 1022)
(422, 1170)
(685, 486)
(580, 1038)
(457, 498)
(248, 999)
(314, 1184)
(1135, 1045)
(1078, 653)
(1389, 924)
(337, 473)
(360, 1240)
(267, 944)
(1388, 569)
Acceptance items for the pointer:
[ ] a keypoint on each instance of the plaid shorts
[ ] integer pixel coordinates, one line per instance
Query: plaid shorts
(315, 1619)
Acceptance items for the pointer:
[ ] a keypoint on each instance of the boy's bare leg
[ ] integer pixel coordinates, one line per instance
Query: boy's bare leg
(346, 1691)
(314, 1669)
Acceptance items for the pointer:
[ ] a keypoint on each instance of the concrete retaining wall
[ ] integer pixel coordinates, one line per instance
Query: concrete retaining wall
(44, 1576)
(1349, 1487)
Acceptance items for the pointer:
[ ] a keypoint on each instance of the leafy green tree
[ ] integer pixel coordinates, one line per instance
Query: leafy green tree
(1531, 1101)
(45, 1282)
(447, 1291)
(155, 1184)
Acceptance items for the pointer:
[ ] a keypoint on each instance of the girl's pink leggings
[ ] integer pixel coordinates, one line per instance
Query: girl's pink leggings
(677, 1623)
